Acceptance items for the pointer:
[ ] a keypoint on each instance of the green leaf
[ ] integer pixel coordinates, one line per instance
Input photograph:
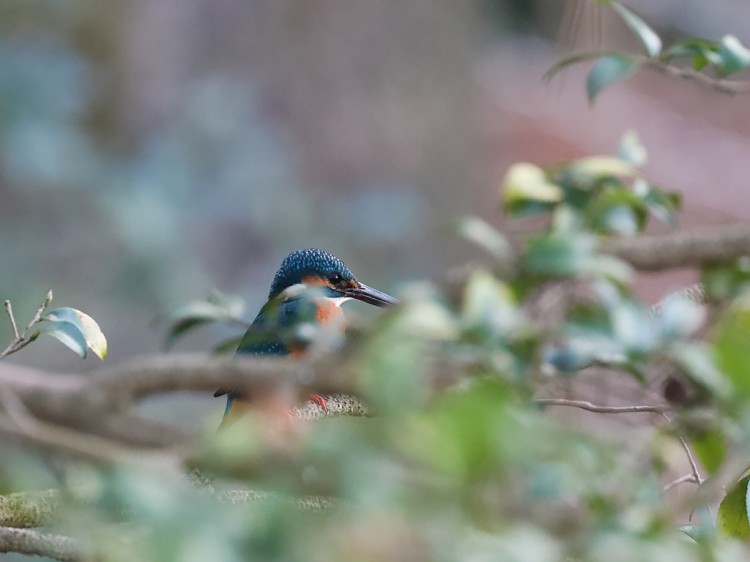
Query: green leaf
(464, 433)
(698, 362)
(68, 333)
(723, 281)
(732, 520)
(733, 54)
(590, 172)
(662, 204)
(731, 338)
(631, 150)
(617, 210)
(489, 303)
(647, 36)
(569, 61)
(711, 448)
(93, 337)
(483, 235)
(558, 254)
(526, 183)
(607, 71)
(216, 308)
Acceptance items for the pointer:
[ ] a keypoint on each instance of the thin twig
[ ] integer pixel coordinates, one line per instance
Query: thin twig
(688, 453)
(22, 340)
(9, 310)
(731, 87)
(678, 481)
(588, 406)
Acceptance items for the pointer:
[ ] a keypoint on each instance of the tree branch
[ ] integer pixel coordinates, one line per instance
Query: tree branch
(22, 340)
(731, 87)
(588, 406)
(680, 480)
(34, 543)
(682, 248)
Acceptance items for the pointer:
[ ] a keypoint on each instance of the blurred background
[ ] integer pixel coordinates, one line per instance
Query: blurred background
(151, 150)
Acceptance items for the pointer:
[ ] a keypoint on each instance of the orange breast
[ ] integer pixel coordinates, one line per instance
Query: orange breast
(328, 313)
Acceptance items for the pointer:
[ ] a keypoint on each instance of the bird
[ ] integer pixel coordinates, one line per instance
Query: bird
(303, 311)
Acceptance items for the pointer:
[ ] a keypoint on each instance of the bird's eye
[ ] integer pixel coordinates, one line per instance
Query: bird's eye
(335, 278)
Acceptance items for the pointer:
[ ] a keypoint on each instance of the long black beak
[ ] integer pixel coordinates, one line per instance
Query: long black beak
(370, 296)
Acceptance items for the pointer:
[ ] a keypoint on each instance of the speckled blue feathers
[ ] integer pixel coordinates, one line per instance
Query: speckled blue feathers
(304, 263)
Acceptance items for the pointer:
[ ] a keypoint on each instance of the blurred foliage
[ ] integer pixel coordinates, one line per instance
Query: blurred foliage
(480, 471)
(723, 58)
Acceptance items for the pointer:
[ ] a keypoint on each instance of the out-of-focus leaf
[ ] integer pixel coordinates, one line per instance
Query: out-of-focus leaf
(724, 281)
(663, 205)
(731, 338)
(631, 150)
(607, 71)
(463, 434)
(526, 189)
(711, 448)
(700, 52)
(698, 362)
(679, 317)
(617, 210)
(427, 317)
(569, 61)
(611, 268)
(588, 173)
(483, 235)
(732, 517)
(67, 333)
(632, 327)
(558, 254)
(647, 36)
(227, 346)
(216, 308)
(733, 54)
(85, 325)
(489, 304)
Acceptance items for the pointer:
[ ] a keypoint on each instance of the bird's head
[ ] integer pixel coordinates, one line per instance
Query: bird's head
(317, 269)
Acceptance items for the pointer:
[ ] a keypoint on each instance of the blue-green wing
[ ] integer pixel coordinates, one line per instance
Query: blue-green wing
(271, 333)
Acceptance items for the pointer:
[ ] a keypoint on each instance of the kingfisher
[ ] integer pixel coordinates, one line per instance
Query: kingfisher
(303, 312)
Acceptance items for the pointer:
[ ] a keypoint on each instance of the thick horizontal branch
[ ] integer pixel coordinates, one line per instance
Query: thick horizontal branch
(683, 248)
(34, 543)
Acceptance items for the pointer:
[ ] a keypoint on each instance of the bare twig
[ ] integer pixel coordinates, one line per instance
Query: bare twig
(22, 340)
(680, 480)
(588, 406)
(723, 85)
(9, 310)
(688, 453)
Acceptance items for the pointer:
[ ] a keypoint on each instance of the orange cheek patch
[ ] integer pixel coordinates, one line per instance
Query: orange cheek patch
(328, 312)
(312, 280)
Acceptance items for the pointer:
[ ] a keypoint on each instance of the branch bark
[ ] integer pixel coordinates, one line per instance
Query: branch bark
(588, 406)
(682, 248)
(34, 543)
